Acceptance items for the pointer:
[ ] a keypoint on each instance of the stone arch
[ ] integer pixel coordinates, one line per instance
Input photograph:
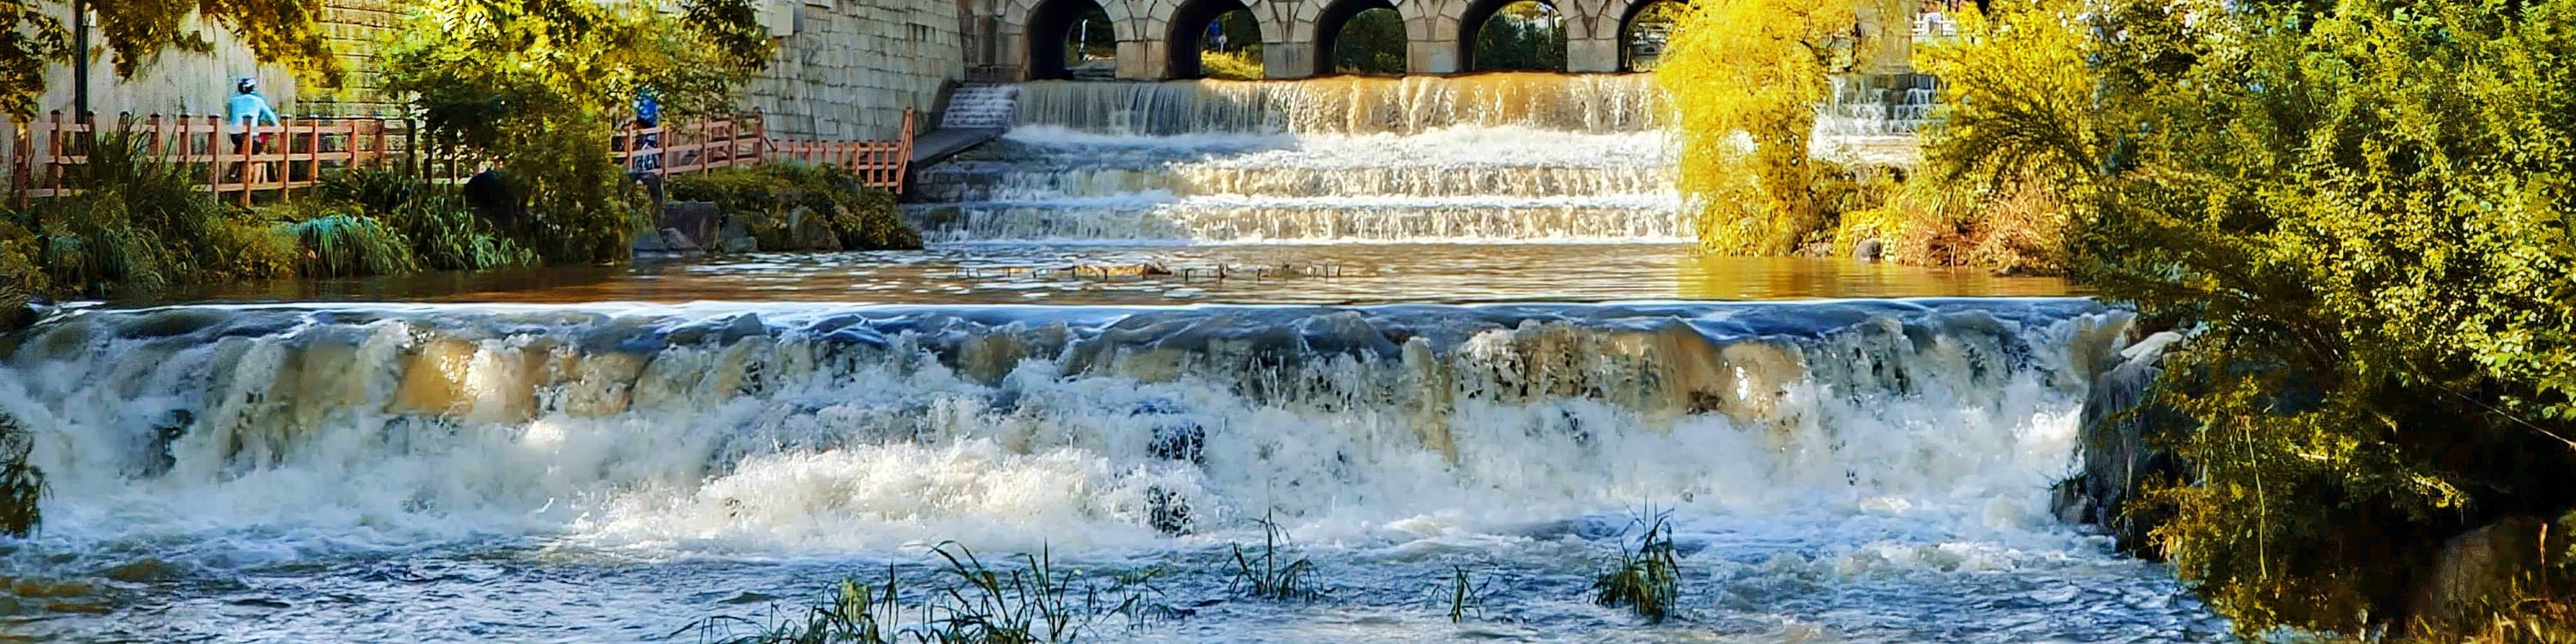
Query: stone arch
(1338, 14)
(1187, 26)
(1471, 17)
(1627, 22)
(1044, 27)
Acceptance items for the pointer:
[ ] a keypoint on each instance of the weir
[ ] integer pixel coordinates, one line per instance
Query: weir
(1500, 158)
(638, 423)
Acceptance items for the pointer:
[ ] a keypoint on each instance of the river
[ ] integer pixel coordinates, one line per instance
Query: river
(1425, 328)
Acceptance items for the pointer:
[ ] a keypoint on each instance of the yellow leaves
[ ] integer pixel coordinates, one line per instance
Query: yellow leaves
(1753, 71)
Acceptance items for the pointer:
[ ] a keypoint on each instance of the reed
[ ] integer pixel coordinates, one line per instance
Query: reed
(967, 602)
(1466, 597)
(1645, 579)
(1275, 576)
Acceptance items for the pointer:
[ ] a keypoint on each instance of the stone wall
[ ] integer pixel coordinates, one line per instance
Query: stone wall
(846, 69)
(192, 83)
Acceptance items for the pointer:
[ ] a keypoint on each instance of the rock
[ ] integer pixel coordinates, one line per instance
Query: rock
(2119, 457)
(699, 221)
(812, 231)
(489, 194)
(679, 242)
(734, 236)
(2476, 571)
(1167, 512)
(650, 245)
(1869, 250)
(1181, 441)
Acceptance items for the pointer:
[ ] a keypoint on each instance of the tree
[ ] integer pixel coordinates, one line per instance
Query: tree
(1746, 76)
(285, 32)
(541, 84)
(2360, 209)
(1371, 43)
(1521, 36)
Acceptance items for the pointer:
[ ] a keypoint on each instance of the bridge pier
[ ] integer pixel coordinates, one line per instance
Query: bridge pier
(1286, 60)
(1432, 57)
(1293, 45)
(1592, 55)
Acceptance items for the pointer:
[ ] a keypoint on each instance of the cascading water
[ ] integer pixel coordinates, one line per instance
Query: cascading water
(1503, 158)
(1861, 470)
(1840, 470)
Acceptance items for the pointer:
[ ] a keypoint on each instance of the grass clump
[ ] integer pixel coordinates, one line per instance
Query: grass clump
(1270, 573)
(1645, 579)
(965, 602)
(433, 226)
(799, 206)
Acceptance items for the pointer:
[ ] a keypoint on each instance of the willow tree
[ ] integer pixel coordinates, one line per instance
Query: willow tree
(1746, 77)
(136, 32)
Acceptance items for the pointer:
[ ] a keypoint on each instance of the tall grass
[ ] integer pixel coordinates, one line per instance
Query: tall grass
(436, 227)
(352, 245)
(1645, 579)
(1275, 576)
(139, 222)
(1465, 597)
(966, 602)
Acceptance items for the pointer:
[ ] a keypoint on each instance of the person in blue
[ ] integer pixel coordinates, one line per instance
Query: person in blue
(648, 115)
(246, 109)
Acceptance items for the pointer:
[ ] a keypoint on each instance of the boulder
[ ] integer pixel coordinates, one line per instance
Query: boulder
(812, 231)
(2120, 458)
(489, 194)
(1869, 250)
(2477, 571)
(699, 221)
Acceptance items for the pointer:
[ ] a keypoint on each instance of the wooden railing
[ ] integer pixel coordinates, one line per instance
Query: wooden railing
(281, 158)
(709, 145)
(294, 154)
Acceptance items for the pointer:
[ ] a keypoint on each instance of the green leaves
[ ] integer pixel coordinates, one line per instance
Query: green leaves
(136, 32)
(2362, 209)
(540, 85)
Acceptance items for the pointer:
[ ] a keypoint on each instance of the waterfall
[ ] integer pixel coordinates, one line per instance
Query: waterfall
(1505, 158)
(770, 427)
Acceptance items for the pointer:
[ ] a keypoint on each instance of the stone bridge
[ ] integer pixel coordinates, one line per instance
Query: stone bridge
(1158, 39)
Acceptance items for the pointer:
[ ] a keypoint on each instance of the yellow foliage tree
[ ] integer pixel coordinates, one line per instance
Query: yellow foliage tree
(1746, 76)
(2017, 100)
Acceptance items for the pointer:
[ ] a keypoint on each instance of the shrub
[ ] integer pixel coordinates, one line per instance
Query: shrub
(776, 199)
(2360, 211)
(442, 232)
(138, 222)
(1232, 65)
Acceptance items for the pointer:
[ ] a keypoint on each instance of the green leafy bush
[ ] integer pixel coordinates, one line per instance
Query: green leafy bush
(775, 200)
(138, 222)
(442, 231)
(2361, 211)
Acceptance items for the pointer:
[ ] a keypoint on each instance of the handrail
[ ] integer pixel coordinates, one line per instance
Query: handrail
(293, 154)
